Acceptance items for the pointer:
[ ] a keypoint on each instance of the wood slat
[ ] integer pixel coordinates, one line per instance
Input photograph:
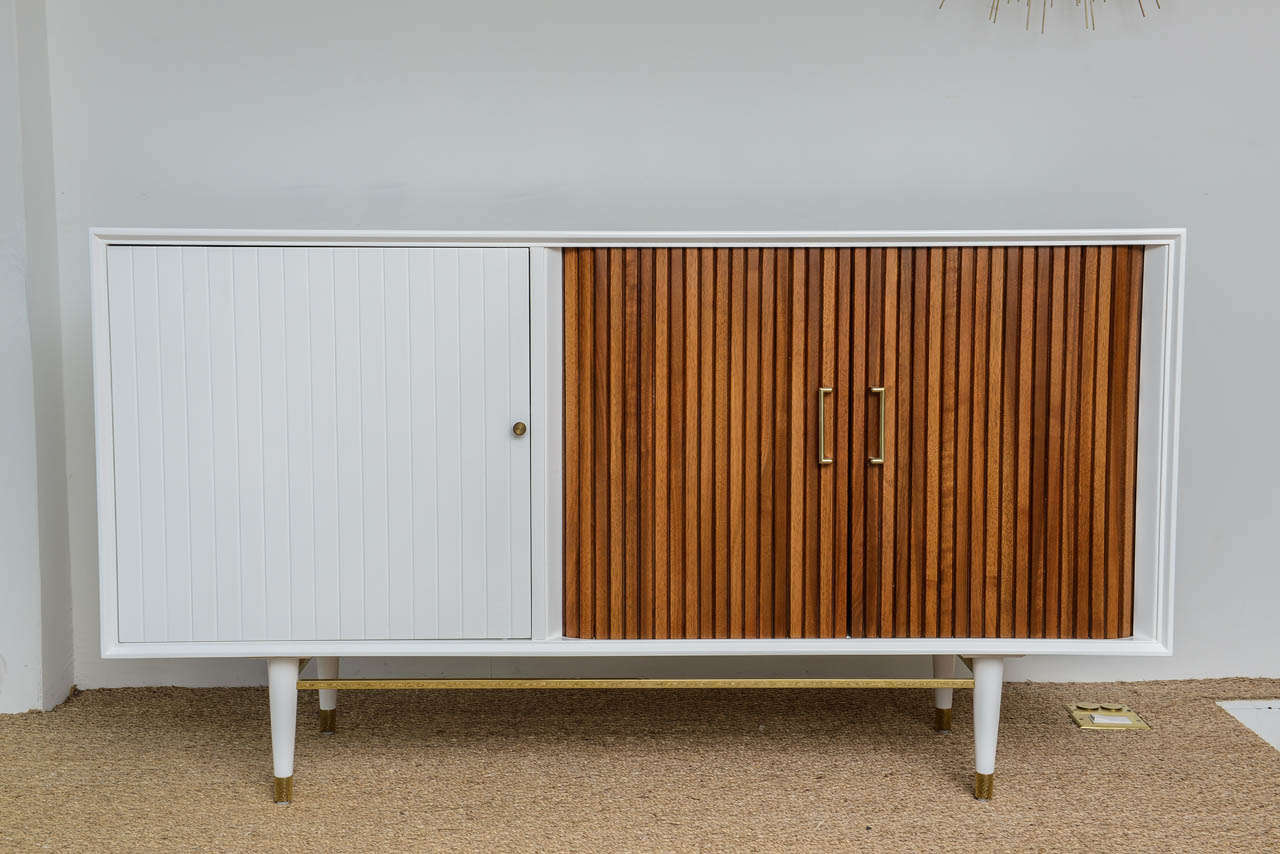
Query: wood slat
(933, 450)
(874, 488)
(921, 452)
(573, 458)
(1011, 455)
(978, 488)
(897, 303)
(1117, 459)
(1129, 494)
(812, 334)
(1101, 413)
(782, 448)
(661, 443)
(722, 515)
(737, 442)
(694, 502)
(676, 459)
(965, 328)
(1026, 374)
(1039, 443)
(909, 341)
(648, 509)
(995, 443)
(1056, 419)
(602, 405)
(768, 317)
(706, 463)
(692, 447)
(843, 541)
(629, 428)
(948, 571)
(751, 455)
(798, 436)
(1074, 298)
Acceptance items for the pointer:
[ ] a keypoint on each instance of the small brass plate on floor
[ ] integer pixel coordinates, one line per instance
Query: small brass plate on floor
(1107, 716)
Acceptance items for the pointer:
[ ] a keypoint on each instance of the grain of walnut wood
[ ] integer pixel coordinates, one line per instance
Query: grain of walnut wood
(694, 503)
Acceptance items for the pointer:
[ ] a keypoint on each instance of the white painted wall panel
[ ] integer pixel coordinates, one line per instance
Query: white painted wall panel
(315, 443)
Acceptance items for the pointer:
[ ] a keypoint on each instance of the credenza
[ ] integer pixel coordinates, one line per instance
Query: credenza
(324, 445)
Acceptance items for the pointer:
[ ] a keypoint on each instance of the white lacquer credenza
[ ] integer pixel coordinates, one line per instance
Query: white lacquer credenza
(321, 444)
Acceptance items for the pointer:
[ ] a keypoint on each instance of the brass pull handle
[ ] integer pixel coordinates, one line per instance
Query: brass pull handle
(823, 459)
(519, 428)
(878, 460)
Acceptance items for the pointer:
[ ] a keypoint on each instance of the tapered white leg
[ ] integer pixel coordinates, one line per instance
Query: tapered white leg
(327, 668)
(944, 667)
(282, 684)
(988, 684)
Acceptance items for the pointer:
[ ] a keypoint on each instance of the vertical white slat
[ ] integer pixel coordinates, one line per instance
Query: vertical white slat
(278, 559)
(299, 452)
(495, 427)
(519, 455)
(249, 441)
(224, 456)
(373, 440)
(324, 437)
(124, 399)
(448, 447)
(400, 445)
(349, 403)
(198, 356)
(151, 428)
(424, 433)
(174, 441)
(473, 358)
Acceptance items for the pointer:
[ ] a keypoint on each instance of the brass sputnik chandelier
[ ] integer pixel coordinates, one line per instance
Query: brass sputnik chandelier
(1087, 8)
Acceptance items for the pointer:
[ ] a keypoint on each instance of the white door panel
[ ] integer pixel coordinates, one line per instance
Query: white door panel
(315, 443)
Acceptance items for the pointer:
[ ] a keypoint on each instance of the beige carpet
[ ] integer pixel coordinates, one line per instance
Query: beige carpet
(179, 769)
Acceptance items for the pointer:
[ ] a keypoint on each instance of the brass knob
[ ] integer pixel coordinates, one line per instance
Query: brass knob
(519, 428)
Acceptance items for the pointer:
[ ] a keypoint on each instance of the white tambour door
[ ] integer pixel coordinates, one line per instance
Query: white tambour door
(316, 443)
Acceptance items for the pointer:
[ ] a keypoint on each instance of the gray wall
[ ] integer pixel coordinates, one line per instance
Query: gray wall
(832, 115)
(21, 677)
(35, 595)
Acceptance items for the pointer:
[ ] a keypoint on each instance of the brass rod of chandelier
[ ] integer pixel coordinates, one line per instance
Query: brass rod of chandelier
(878, 459)
(823, 459)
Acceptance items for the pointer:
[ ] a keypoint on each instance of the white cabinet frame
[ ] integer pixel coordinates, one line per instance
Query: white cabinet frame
(1158, 435)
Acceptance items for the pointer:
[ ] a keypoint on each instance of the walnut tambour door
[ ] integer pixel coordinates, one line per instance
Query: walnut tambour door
(1005, 506)
(695, 502)
(831, 442)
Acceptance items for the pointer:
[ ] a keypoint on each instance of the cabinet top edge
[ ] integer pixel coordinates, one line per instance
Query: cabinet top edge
(1156, 236)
